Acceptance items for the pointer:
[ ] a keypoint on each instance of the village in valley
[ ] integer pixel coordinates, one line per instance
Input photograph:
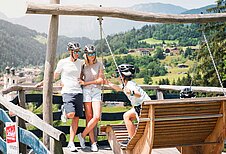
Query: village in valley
(156, 83)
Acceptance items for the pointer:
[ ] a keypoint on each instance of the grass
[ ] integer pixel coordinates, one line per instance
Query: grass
(41, 39)
(153, 41)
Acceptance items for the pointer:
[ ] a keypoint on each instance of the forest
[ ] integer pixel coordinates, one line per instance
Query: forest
(21, 46)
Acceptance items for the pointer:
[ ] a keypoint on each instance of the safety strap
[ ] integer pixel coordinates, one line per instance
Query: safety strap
(211, 56)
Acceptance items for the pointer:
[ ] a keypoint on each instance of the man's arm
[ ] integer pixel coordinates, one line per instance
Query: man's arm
(55, 77)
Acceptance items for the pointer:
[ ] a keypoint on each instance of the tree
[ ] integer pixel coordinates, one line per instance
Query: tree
(215, 34)
(159, 53)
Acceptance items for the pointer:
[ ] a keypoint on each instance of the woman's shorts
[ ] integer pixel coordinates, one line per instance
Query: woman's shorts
(73, 102)
(91, 95)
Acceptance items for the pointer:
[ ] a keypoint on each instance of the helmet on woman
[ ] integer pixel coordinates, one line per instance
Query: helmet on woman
(127, 70)
(89, 49)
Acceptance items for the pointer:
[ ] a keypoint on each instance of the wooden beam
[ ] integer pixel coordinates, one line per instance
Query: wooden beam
(32, 119)
(58, 9)
(188, 100)
(145, 87)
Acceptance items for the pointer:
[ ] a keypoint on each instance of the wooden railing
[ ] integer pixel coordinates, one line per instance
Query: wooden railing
(58, 133)
(23, 115)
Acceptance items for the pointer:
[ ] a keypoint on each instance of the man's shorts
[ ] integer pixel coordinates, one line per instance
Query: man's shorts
(91, 95)
(73, 102)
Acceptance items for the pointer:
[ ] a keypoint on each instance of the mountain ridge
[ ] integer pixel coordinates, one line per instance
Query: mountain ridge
(90, 25)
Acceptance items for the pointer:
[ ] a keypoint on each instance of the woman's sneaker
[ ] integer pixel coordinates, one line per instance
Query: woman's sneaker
(71, 147)
(81, 140)
(63, 115)
(94, 147)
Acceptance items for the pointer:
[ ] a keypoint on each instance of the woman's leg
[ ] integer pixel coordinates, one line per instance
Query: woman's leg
(128, 117)
(96, 110)
(89, 116)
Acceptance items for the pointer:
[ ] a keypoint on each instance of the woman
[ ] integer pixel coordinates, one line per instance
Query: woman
(92, 79)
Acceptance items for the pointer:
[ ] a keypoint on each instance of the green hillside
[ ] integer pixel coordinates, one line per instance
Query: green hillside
(21, 46)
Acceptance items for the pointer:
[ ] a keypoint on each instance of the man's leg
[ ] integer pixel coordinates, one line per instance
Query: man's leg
(128, 117)
(73, 128)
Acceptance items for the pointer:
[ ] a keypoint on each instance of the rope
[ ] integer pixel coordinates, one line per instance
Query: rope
(100, 19)
(113, 57)
(211, 56)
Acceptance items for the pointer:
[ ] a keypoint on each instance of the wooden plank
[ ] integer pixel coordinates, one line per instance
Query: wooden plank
(187, 100)
(58, 9)
(185, 125)
(32, 119)
(106, 87)
(195, 144)
(186, 114)
(142, 143)
(187, 121)
(113, 141)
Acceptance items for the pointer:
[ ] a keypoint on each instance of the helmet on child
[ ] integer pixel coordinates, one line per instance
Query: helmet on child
(127, 70)
(89, 49)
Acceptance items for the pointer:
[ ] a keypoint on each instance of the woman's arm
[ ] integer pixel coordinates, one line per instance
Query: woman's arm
(99, 80)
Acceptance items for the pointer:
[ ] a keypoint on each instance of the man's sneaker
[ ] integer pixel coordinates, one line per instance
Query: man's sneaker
(82, 141)
(71, 147)
(94, 147)
(63, 115)
(125, 142)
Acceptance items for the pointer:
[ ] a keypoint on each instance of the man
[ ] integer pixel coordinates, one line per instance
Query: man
(69, 70)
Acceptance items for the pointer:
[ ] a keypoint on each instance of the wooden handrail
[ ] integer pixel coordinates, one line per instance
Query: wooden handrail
(33, 119)
(188, 100)
(145, 87)
(59, 9)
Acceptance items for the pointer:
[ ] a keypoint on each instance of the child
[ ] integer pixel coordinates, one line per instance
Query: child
(135, 94)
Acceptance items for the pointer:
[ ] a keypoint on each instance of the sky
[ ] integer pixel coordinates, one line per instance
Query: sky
(17, 8)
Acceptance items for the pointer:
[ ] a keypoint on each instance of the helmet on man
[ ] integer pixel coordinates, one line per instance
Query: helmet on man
(73, 46)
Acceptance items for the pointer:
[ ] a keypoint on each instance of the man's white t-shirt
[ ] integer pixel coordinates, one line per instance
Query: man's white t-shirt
(70, 75)
(135, 101)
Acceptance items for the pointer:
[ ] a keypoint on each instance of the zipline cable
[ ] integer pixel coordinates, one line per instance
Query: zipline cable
(211, 56)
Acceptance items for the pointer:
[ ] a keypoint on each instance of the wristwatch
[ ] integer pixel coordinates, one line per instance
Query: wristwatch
(132, 93)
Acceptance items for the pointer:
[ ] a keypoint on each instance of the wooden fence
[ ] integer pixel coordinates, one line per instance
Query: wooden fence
(119, 97)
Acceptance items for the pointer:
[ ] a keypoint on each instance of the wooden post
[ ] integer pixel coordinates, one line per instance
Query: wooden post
(159, 94)
(1, 129)
(48, 74)
(21, 122)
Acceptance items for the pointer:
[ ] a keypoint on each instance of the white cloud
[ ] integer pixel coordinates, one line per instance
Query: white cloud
(13, 8)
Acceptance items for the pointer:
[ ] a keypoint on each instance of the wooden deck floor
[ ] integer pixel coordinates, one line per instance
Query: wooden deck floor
(107, 150)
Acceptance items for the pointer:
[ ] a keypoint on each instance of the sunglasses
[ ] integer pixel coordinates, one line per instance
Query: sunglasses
(91, 54)
(77, 52)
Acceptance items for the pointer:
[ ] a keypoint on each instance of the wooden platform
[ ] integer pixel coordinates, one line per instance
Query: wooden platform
(107, 150)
